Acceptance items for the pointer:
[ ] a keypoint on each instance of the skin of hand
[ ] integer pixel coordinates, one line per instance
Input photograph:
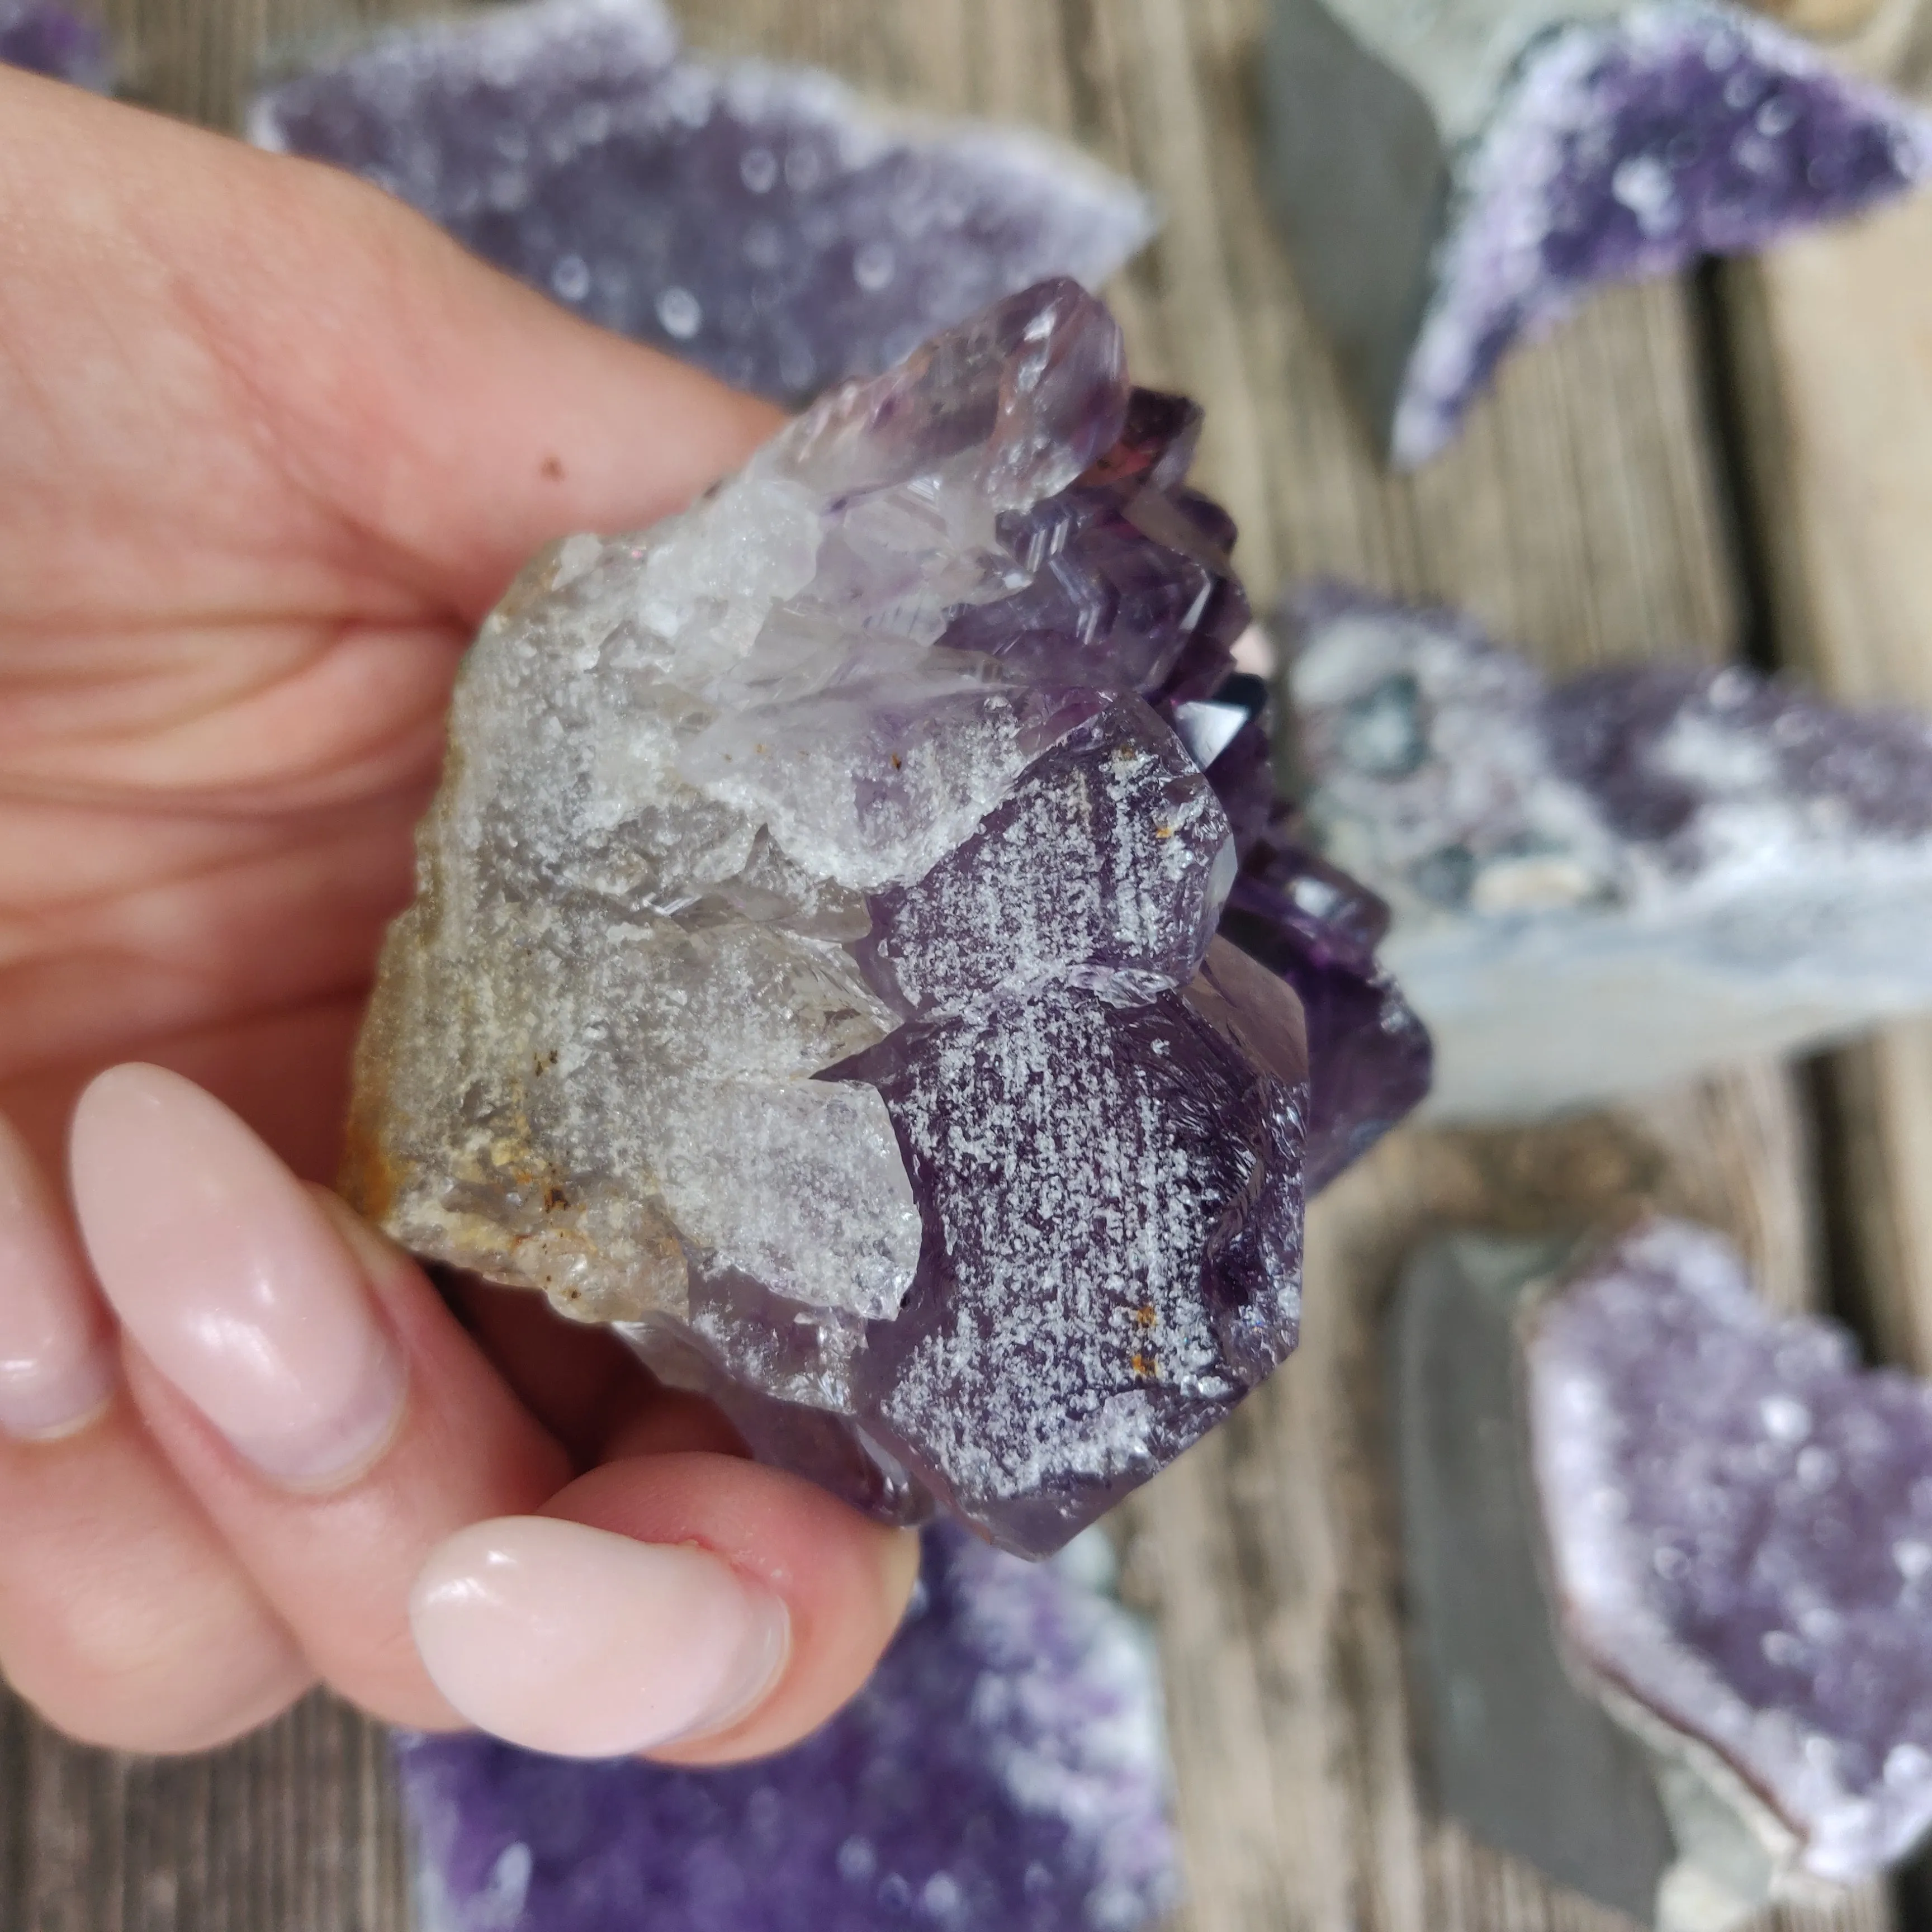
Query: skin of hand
(270, 447)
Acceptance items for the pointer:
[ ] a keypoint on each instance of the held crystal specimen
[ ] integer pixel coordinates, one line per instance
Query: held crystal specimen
(760, 221)
(1736, 1524)
(1455, 176)
(49, 39)
(1003, 1771)
(814, 967)
(1616, 882)
(1740, 1527)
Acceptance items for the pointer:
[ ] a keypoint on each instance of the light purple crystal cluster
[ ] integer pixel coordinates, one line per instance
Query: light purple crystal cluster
(814, 969)
(50, 40)
(1602, 885)
(1003, 1771)
(1629, 148)
(1454, 179)
(761, 221)
(1740, 1524)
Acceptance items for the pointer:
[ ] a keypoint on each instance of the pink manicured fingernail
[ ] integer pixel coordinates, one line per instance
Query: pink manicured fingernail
(228, 1275)
(585, 1644)
(56, 1362)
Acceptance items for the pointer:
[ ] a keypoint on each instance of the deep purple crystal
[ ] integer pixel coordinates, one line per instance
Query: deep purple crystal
(50, 40)
(1740, 1520)
(1369, 1058)
(758, 220)
(1001, 1772)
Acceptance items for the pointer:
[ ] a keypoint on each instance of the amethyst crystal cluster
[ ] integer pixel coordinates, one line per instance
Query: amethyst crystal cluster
(1740, 1524)
(760, 221)
(50, 40)
(814, 970)
(1003, 1771)
(1608, 884)
(1454, 178)
(1669, 1561)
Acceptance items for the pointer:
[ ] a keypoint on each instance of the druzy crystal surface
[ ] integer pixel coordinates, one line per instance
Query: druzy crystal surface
(1604, 885)
(1003, 1771)
(814, 967)
(761, 221)
(1739, 1522)
(50, 40)
(1454, 178)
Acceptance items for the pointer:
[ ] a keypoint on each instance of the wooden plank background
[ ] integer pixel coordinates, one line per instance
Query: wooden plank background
(1596, 508)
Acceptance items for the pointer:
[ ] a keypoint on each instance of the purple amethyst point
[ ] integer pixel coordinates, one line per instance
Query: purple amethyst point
(823, 988)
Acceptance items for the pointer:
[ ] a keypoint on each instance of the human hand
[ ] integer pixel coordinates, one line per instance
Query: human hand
(270, 446)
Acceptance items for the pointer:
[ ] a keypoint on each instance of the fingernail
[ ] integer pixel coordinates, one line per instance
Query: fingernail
(227, 1274)
(583, 1643)
(56, 1362)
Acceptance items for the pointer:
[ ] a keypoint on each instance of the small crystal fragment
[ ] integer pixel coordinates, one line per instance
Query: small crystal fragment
(814, 970)
(1452, 179)
(47, 39)
(761, 221)
(1004, 1769)
(1758, 1590)
(1608, 885)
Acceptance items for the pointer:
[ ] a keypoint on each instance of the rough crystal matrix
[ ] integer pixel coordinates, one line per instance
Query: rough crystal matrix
(758, 220)
(50, 40)
(1740, 1524)
(814, 967)
(1619, 881)
(1003, 1771)
(1454, 177)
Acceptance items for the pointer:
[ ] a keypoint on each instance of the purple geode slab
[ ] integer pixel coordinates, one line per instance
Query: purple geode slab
(761, 221)
(51, 40)
(1604, 886)
(814, 971)
(1003, 1771)
(1454, 181)
(1739, 1521)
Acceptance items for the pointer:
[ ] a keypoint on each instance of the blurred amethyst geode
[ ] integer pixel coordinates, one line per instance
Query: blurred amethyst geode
(1003, 1771)
(1605, 885)
(761, 221)
(52, 41)
(814, 969)
(1453, 180)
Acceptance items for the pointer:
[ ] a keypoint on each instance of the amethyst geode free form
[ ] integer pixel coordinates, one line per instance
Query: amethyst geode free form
(761, 221)
(51, 40)
(1740, 1528)
(1454, 178)
(814, 967)
(1605, 885)
(1002, 1771)
(1668, 1560)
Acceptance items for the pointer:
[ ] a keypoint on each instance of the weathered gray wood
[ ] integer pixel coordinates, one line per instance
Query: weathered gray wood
(1580, 514)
